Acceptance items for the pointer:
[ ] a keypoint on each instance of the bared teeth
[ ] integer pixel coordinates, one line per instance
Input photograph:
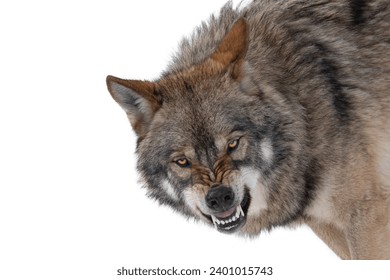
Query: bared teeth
(239, 212)
(215, 221)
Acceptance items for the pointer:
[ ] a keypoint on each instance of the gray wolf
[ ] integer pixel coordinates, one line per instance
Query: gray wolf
(274, 114)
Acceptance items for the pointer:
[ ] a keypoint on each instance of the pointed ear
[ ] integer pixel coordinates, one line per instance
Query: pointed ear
(232, 49)
(139, 99)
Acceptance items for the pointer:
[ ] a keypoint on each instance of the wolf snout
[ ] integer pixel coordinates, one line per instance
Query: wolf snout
(220, 198)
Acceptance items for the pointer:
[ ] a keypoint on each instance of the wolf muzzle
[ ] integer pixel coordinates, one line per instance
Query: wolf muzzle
(228, 215)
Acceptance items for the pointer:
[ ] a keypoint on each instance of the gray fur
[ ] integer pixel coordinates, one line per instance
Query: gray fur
(310, 105)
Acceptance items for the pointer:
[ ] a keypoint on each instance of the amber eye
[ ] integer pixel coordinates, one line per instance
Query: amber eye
(183, 162)
(232, 145)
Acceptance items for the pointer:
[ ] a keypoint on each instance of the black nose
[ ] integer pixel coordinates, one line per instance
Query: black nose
(220, 198)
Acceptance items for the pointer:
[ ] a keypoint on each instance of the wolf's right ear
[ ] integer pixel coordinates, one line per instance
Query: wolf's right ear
(139, 99)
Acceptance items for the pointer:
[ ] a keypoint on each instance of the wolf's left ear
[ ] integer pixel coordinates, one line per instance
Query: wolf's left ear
(139, 99)
(232, 49)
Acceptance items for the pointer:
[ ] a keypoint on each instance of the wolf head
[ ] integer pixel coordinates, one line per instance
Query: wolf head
(215, 143)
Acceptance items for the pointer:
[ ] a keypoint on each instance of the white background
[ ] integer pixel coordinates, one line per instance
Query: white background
(70, 203)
